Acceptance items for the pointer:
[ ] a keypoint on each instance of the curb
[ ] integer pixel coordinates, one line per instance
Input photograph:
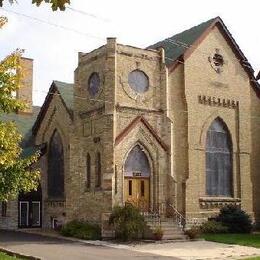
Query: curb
(12, 253)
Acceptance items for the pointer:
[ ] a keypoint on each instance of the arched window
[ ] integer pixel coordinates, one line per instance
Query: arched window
(218, 160)
(88, 166)
(137, 163)
(56, 167)
(98, 170)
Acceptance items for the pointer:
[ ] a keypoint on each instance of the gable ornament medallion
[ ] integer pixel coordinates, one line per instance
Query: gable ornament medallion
(217, 61)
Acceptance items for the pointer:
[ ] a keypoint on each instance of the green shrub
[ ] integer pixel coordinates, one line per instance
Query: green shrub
(158, 233)
(82, 230)
(235, 219)
(129, 224)
(212, 226)
(193, 232)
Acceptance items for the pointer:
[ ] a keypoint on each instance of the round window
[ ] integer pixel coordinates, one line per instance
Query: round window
(138, 81)
(93, 84)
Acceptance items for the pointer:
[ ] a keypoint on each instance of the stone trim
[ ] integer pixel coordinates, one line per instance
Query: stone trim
(133, 124)
(218, 102)
(218, 202)
(120, 108)
(93, 112)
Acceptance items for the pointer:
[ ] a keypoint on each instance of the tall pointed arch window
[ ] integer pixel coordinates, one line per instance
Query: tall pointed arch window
(88, 166)
(218, 160)
(56, 167)
(98, 170)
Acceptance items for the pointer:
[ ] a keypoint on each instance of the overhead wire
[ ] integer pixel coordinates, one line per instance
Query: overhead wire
(179, 43)
(173, 42)
(88, 14)
(54, 24)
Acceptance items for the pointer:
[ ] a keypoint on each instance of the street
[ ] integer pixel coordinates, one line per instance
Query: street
(56, 249)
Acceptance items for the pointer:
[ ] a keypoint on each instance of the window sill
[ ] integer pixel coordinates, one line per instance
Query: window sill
(55, 203)
(218, 202)
(55, 200)
(219, 199)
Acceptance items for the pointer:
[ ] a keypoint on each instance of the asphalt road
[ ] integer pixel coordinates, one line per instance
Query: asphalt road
(59, 249)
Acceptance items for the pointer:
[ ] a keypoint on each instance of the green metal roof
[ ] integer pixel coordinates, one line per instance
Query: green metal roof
(24, 123)
(29, 151)
(176, 45)
(66, 91)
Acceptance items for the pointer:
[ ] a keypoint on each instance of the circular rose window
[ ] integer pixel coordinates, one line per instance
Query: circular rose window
(138, 81)
(93, 84)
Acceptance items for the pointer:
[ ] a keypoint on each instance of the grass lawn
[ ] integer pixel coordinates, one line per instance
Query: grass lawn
(252, 258)
(238, 239)
(7, 257)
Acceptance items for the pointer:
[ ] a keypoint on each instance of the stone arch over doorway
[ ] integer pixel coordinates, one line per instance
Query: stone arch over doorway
(137, 177)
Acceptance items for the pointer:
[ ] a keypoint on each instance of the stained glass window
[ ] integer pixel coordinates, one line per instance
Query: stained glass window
(218, 160)
(56, 167)
(93, 84)
(138, 81)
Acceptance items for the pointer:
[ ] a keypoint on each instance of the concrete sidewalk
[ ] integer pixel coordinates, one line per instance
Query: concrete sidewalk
(192, 250)
(186, 250)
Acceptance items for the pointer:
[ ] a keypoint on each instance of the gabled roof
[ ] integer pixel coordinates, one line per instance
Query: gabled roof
(180, 46)
(133, 124)
(176, 45)
(24, 123)
(65, 90)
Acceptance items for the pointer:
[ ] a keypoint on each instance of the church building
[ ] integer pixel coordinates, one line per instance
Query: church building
(174, 127)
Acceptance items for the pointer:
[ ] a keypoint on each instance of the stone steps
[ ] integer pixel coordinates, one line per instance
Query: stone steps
(171, 230)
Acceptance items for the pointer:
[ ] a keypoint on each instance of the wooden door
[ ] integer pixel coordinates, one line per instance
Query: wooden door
(137, 192)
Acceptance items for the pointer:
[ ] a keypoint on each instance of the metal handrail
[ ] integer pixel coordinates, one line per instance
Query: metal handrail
(180, 219)
(152, 216)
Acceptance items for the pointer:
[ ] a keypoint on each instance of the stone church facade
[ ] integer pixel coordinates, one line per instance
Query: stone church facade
(174, 126)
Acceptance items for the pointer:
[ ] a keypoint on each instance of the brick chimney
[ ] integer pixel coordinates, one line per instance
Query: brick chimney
(25, 91)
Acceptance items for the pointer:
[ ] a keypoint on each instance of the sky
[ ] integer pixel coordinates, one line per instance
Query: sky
(54, 48)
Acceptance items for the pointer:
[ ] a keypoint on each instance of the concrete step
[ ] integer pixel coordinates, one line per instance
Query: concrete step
(174, 237)
(171, 230)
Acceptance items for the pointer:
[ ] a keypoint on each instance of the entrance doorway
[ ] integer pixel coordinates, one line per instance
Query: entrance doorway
(137, 173)
(30, 214)
(137, 192)
(29, 209)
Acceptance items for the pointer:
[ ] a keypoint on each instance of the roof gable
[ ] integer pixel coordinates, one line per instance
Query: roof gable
(133, 124)
(180, 46)
(65, 91)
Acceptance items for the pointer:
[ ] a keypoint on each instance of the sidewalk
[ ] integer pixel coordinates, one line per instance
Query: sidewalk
(187, 250)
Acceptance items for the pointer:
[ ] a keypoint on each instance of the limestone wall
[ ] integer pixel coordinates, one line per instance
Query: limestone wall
(210, 95)
(10, 221)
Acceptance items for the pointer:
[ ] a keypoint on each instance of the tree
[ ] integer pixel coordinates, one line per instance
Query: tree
(55, 4)
(16, 173)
